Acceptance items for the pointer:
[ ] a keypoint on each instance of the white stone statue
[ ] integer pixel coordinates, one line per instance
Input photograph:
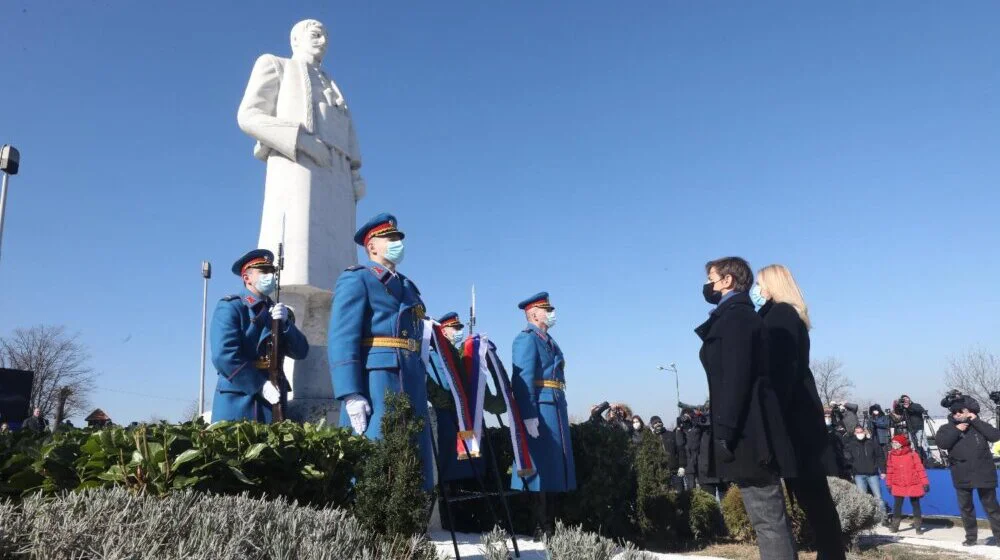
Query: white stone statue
(304, 133)
(303, 129)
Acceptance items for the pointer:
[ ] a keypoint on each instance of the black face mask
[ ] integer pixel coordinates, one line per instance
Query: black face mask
(711, 296)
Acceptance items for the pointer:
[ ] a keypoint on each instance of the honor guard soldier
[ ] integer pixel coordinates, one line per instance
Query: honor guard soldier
(539, 385)
(375, 336)
(241, 327)
(439, 394)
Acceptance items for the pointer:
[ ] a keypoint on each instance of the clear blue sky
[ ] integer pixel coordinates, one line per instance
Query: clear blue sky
(601, 152)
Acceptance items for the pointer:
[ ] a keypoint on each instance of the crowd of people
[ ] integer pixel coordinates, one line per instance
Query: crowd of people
(764, 425)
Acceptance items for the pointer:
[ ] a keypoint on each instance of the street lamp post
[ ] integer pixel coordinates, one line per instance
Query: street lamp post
(677, 380)
(206, 273)
(10, 162)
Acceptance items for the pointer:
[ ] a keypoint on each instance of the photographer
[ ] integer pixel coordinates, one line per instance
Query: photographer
(879, 426)
(967, 440)
(620, 416)
(912, 414)
(703, 471)
(844, 414)
(688, 438)
(669, 441)
(597, 412)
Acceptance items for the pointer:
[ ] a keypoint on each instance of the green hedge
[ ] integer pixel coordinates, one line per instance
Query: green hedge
(622, 493)
(308, 463)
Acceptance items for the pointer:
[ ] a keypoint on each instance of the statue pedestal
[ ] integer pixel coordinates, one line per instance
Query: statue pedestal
(311, 399)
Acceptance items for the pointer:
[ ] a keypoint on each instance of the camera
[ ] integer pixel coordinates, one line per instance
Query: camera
(955, 397)
(995, 397)
(952, 397)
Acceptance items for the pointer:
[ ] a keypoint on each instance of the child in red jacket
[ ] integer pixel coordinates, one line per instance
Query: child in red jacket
(906, 478)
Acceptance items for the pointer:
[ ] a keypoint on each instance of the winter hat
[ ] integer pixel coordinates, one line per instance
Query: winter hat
(901, 439)
(655, 419)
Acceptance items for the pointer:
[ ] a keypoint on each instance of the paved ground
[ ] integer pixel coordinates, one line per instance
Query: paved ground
(943, 536)
(938, 535)
(468, 547)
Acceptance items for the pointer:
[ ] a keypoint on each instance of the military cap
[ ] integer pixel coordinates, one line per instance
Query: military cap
(379, 226)
(258, 258)
(541, 299)
(451, 320)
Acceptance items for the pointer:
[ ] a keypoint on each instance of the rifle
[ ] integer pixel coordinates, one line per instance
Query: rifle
(275, 358)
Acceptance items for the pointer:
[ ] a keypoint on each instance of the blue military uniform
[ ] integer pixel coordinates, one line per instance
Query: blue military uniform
(241, 325)
(539, 385)
(375, 334)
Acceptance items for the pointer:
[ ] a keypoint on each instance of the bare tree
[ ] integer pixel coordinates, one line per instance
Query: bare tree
(190, 412)
(59, 362)
(976, 373)
(831, 382)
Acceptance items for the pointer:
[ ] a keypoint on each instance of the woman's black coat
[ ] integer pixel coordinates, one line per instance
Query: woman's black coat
(793, 382)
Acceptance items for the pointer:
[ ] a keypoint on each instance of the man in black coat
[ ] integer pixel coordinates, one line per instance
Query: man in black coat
(749, 442)
(669, 443)
(690, 437)
(967, 440)
(913, 414)
(35, 423)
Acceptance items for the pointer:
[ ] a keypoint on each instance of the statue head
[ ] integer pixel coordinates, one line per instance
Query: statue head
(309, 41)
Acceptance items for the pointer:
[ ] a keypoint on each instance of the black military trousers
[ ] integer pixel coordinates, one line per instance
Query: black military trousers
(988, 497)
(813, 496)
(543, 509)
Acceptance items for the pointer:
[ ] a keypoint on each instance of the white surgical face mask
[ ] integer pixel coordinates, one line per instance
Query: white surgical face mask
(550, 318)
(265, 284)
(394, 252)
(859, 436)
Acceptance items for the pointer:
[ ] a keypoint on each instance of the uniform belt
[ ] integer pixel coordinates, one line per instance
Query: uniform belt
(551, 384)
(391, 342)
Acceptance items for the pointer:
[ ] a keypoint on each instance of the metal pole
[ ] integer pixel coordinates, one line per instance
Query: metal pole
(677, 381)
(206, 273)
(3, 203)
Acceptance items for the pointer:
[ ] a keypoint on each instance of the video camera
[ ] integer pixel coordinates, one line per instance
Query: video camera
(956, 397)
(995, 397)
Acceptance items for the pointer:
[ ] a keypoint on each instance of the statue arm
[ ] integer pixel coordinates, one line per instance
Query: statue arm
(257, 113)
(353, 150)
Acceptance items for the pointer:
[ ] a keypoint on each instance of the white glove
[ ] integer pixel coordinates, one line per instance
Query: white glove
(271, 393)
(680, 471)
(279, 312)
(531, 426)
(358, 410)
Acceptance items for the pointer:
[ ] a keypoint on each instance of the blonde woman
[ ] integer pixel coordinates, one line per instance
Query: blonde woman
(786, 320)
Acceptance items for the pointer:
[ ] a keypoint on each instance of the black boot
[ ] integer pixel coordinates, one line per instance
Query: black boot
(918, 526)
(894, 525)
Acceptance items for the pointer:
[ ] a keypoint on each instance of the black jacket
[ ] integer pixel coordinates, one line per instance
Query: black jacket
(35, 424)
(692, 444)
(788, 349)
(969, 454)
(913, 416)
(878, 424)
(865, 456)
(680, 444)
(749, 439)
(670, 448)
